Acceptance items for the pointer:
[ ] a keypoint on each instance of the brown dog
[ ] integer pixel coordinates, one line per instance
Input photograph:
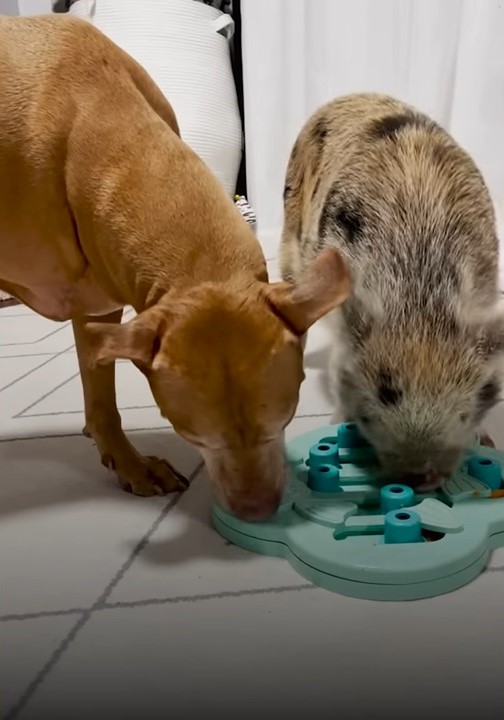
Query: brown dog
(101, 206)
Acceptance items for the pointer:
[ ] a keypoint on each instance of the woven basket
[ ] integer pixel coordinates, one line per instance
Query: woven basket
(184, 46)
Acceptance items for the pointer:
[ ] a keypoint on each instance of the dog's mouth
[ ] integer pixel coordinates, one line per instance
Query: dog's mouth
(249, 507)
(254, 510)
(249, 489)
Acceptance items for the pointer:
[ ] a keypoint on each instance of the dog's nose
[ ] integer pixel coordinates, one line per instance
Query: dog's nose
(254, 509)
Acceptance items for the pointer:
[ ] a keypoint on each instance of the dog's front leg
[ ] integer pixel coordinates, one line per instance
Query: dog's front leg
(137, 474)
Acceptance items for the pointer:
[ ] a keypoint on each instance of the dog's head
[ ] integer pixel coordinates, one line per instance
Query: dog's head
(225, 364)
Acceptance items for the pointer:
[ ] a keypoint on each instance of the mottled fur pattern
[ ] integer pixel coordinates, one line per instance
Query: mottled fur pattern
(417, 353)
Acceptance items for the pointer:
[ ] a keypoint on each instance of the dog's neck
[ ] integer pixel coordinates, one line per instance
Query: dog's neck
(167, 219)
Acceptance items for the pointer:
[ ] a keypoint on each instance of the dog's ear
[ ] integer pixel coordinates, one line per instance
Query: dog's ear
(138, 340)
(323, 286)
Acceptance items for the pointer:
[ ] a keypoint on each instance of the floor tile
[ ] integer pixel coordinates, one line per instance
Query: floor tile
(301, 425)
(273, 270)
(23, 332)
(18, 399)
(133, 393)
(306, 653)
(315, 397)
(13, 369)
(65, 525)
(27, 332)
(49, 399)
(186, 556)
(494, 425)
(25, 647)
(18, 310)
(67, 531)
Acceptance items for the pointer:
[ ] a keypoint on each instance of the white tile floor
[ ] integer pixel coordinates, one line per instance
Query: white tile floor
(116, 606)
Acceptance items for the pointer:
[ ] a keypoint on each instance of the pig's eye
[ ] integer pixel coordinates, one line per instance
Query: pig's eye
(464, 417)
(365, 420)
(389, 393)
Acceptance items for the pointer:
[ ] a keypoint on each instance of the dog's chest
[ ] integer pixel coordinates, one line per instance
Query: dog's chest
(60, 299)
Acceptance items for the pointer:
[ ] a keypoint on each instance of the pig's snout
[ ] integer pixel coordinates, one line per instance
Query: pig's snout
(424, 481)
(421, 474)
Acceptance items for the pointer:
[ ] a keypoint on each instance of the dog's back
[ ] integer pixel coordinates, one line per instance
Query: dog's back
(414, 355)
(72, 102)
(53, 68)
(46, 61)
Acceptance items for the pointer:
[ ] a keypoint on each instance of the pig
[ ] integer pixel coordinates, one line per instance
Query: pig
(416, 354)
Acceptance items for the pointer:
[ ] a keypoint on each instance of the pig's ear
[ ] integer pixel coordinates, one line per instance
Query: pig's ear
(491, 335)
(323, 286)
(138, 340)
(486, 326)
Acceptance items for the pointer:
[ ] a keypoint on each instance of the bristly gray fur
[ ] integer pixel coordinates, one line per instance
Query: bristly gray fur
(418, 347)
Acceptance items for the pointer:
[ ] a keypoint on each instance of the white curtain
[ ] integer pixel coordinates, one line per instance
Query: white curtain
(34, 7)
(444, 56)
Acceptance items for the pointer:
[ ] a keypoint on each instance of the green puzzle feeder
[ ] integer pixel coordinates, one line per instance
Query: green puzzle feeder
(340, 528)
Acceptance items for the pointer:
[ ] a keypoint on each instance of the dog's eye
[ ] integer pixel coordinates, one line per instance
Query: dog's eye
(463, 417)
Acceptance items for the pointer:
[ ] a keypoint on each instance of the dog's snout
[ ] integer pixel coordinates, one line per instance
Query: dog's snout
(254, 509)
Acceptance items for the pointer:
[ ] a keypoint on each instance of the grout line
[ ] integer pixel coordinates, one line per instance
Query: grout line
(126, 604)
(166, 426)
(25, 375)
(46, 669)
(277, 590)
(72, 412)
(25, 355)
(18, 617)
(312, 415)
(142, 544)
(39, 340)
(53, 436)
(147, 602)
(21, 413)
(56, 413)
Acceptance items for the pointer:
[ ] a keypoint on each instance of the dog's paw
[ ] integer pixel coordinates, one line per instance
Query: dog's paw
(148, 476)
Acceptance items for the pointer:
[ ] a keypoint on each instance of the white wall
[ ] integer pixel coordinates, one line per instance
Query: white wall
(444, 56)
(9, 7)
(34, 7)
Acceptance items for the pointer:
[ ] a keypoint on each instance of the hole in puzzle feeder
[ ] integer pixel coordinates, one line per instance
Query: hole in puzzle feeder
(324, 468)
(432, 535)
(350, 426)
(324, 447)
(403, 516)
(485, 462)
(397, 489)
